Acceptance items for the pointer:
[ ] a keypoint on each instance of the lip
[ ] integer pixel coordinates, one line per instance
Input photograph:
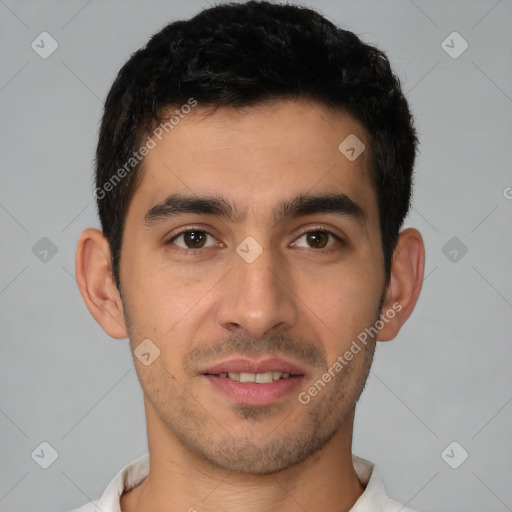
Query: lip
(245, 365)
(248, 393)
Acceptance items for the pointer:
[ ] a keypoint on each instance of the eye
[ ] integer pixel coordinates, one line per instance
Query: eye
(318, 239)
(192, 239)
(189, 241)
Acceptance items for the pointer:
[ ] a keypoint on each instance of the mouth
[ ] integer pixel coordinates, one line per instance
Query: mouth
(257, 383)
(244, 368)
(257, 378)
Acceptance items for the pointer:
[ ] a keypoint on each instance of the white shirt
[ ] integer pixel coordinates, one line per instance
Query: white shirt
(373, 499)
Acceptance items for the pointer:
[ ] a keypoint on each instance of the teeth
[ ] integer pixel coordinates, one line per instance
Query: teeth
(259, 378)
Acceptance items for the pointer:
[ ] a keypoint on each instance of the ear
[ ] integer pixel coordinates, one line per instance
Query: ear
(94, 278)
(405, 283)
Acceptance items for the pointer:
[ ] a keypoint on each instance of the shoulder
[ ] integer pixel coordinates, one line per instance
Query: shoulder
(374, 497)
(127, 478)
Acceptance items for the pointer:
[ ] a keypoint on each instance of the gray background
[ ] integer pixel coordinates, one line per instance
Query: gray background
(445, 378)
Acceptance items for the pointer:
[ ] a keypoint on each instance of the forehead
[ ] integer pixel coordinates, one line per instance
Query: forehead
(258, 156)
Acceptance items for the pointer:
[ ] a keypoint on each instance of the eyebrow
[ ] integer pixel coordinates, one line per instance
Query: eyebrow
(303, 204)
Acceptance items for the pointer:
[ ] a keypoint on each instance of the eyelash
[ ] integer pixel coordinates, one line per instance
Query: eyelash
(192, 252)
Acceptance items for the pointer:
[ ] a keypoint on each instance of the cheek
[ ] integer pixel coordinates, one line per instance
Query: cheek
(163, 305)
(342, 303)
(342, 295)
(155, 293)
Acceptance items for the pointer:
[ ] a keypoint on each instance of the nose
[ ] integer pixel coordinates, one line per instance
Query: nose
(258, 296)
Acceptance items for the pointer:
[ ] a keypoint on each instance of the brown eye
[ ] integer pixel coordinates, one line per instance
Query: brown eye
(191, 239)
(194, 239)
(317, 239)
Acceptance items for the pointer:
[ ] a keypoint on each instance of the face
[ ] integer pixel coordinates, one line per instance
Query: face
(252, 260)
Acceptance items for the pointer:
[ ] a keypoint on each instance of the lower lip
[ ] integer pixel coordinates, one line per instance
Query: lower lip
(248, 393)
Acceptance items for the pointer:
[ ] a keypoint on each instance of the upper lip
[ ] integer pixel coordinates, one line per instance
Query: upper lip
(245, 365)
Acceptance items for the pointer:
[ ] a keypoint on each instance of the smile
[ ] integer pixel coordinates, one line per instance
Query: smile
(258, 378)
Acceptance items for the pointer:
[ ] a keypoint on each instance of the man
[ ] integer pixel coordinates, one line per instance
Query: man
(254, 169)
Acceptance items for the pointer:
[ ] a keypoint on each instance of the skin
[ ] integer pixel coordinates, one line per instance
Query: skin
(304, 302)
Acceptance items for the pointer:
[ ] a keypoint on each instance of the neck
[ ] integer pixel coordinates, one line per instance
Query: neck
(179, 481)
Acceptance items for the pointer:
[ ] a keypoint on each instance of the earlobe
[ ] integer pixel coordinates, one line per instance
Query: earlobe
(94, 278)
(405, 283)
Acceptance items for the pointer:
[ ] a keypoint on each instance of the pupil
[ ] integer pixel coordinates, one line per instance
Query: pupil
(195, 239)
(315, 238)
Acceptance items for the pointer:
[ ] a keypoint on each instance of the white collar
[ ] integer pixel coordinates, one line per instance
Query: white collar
(373, 499)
